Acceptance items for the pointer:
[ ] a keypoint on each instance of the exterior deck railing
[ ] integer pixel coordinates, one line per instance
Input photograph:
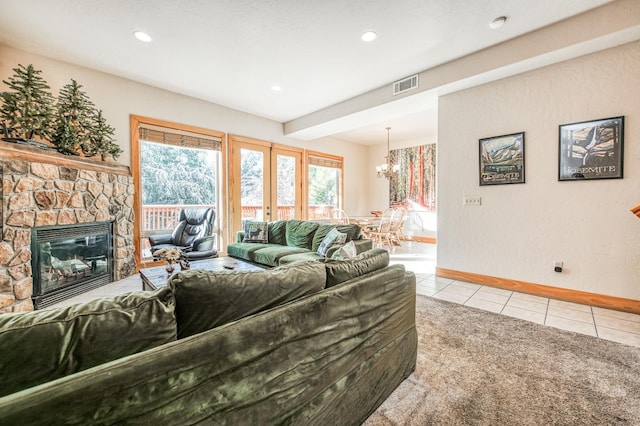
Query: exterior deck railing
(164, 217)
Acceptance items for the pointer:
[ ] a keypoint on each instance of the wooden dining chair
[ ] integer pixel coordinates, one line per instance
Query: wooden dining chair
(398, 218)
(381, 233)
(339, 216)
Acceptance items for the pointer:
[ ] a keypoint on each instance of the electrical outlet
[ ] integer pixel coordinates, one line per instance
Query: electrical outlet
(557, 266)
(471, 201)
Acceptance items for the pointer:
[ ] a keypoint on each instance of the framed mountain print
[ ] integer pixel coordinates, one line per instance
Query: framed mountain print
(502, 159)
(591, 149)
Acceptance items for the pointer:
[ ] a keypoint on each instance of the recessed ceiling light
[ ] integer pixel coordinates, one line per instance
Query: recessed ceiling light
(142, 36)
(368, 36)
(276, 88)
(498, 22)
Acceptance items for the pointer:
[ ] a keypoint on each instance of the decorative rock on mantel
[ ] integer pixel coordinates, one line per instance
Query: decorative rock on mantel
(44, 188)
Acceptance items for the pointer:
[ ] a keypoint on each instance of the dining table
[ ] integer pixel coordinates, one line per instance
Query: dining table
(366, 223)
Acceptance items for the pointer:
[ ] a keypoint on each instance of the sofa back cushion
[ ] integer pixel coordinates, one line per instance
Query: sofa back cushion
(299, 233)
(40, 346)
(205, 299)
(341, 270)
(351, 229)
(277, 232)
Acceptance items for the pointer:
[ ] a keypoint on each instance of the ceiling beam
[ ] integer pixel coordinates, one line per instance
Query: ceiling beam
(610, 25)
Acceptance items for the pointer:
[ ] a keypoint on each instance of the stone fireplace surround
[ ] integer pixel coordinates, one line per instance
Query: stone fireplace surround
(45, 188)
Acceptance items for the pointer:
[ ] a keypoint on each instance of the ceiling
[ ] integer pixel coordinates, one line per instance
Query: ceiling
(231, 52)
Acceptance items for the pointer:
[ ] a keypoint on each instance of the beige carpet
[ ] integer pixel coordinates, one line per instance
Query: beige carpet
(479, 368)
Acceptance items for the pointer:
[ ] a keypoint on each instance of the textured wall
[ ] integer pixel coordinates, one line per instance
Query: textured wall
(519, 230)
(120, 98)
(38, 194)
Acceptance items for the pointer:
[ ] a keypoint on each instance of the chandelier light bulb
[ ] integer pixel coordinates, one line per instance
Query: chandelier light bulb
(388, 169)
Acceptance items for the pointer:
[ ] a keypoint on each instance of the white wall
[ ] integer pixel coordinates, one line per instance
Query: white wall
(519, 230)
(119, 98)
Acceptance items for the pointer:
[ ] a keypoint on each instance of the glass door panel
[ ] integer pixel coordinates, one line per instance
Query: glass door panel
(250, 170)
(266, 182)
(252, 185)
(287, 189)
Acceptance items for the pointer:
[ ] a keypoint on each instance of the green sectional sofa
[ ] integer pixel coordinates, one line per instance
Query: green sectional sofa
(310, 343)
(293, 241)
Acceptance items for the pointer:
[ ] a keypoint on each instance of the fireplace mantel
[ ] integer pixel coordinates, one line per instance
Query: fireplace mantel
(10, 150)
(42, 188)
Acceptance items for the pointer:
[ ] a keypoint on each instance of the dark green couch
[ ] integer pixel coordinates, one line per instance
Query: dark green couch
(312, 343)
(293, 241)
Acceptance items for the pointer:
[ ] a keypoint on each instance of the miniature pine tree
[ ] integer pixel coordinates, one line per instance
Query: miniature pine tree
(114, 150)
(27, 110)
(73, 122)
(101, 138)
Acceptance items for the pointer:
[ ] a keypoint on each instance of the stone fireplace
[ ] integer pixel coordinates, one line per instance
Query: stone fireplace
(47, 190)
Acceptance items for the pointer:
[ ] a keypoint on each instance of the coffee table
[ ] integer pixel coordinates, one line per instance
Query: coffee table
(155, 277)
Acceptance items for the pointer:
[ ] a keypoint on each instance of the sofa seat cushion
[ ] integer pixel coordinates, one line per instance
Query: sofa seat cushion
(271, 255)
(341, 270)
(246, 250)
(299, 233)
(299, 257)
(47, 344)
(205, 299)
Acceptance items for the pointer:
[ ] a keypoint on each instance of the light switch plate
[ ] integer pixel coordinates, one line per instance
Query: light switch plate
(471, 201)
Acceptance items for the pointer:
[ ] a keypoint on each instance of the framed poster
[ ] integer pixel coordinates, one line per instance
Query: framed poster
(502, 159)
(591, 149)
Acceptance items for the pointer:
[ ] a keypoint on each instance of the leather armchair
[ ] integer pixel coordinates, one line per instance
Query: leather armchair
(193, 235)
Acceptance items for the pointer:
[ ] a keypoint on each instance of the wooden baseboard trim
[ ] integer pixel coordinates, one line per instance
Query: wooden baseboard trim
(575, 296)
(431, 240)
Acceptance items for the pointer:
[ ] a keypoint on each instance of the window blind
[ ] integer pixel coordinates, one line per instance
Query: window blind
(315, 160)
(151, 133)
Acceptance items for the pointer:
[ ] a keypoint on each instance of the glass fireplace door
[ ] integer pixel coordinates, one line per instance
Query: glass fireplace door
(70, 259)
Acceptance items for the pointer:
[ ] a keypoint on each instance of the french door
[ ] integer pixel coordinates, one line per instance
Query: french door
(266, 182)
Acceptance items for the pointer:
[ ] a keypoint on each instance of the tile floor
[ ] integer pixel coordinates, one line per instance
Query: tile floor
(421, 258)
(606, 324)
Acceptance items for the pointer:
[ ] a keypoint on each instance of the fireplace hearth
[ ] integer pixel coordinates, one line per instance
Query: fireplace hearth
(70, 259)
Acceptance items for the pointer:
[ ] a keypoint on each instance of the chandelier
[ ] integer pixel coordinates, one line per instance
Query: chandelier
(388, 169)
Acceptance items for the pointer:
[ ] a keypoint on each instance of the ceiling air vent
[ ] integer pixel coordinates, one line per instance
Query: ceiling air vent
(405, 84)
